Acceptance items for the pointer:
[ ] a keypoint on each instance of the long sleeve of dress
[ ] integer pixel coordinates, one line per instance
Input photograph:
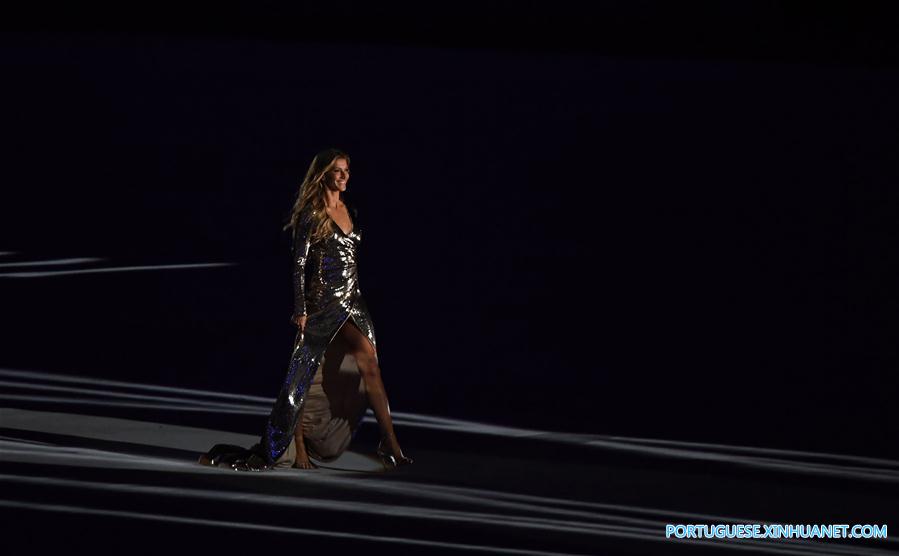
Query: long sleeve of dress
(301, 240)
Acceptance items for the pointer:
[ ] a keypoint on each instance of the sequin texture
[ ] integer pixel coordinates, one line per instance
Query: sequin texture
(326, 288)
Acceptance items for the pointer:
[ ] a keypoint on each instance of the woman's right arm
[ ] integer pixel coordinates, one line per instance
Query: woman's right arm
(301, 239)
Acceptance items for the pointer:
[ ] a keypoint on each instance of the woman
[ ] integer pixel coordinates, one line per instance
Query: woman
(328, 307)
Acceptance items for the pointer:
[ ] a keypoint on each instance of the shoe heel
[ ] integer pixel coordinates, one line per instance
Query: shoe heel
(387, 459)
(390, 461)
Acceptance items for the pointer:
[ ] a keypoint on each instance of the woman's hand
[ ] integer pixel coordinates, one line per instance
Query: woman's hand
(300, 321)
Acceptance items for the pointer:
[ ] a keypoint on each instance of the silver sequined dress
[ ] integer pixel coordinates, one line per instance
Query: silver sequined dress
(326, 287)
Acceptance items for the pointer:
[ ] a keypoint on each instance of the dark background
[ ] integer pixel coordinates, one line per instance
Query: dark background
(642, 219)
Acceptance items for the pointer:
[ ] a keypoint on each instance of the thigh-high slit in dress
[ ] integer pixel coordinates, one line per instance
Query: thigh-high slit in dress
(326, 288)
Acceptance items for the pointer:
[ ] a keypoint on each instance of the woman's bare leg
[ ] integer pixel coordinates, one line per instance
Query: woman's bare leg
(361, 348)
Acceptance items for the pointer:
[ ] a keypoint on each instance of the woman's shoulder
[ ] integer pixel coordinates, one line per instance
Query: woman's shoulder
(307, 214)
(303, 223)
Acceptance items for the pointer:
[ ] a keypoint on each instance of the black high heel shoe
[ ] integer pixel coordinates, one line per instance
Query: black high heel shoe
(389, 460)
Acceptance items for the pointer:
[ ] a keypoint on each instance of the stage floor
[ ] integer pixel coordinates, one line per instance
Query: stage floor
(77, 476)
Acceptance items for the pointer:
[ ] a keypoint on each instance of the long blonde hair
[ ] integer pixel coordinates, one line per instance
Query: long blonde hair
(312, 193)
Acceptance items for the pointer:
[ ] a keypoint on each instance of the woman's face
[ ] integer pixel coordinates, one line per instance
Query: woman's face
(337, 177)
